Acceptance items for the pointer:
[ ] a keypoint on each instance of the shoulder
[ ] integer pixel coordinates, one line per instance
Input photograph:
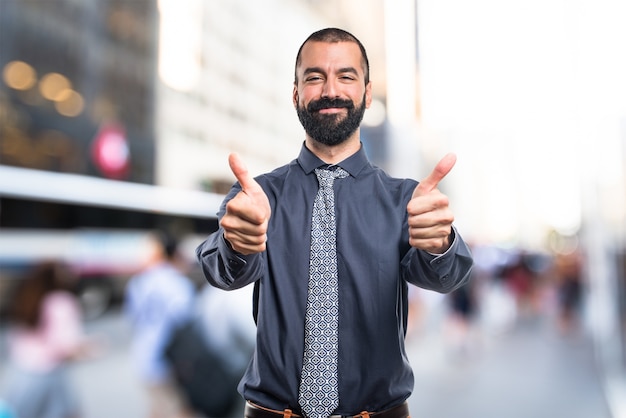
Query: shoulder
(279, 174)
(392, 185)
(275, 181)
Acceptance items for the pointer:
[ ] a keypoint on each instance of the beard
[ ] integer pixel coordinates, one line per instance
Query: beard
(330, 129)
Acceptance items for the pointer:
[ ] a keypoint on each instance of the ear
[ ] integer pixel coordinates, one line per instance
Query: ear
(368, 95)
(295, 96)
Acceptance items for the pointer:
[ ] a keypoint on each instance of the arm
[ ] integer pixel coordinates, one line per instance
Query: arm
(233, 256)
(224, 267)
(439, 258)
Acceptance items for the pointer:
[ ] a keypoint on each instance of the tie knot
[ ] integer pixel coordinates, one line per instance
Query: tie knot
(326, 174)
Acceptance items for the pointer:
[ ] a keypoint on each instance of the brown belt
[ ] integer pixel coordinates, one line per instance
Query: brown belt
(256, 411)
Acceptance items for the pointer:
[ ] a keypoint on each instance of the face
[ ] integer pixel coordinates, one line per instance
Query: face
(330, 95)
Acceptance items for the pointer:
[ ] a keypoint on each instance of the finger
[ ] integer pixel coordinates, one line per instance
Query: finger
(441, 170)
(245, 246)
(245, 239)
(426, 216)
(239, 169)
(241, 217)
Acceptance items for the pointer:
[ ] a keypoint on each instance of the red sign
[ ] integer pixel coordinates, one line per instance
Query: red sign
(110, 152)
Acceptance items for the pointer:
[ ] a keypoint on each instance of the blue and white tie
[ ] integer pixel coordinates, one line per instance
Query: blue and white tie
(319, 388)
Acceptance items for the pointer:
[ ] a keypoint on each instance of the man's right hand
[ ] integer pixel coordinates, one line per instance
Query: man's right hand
(247, 214)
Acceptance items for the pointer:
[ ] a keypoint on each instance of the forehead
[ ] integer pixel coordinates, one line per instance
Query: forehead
(328, 56)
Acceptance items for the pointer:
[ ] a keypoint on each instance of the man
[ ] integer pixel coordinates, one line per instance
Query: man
(157, 300)
(387, 233)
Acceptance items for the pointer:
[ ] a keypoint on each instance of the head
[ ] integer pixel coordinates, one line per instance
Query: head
(41, 279)
(331, 86)
(162, 247)
(334, 35)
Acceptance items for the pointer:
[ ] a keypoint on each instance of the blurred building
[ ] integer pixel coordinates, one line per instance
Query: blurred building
(78, 86)
(77, 97)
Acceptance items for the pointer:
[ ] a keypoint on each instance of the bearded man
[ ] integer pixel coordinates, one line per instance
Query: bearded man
(331, 243)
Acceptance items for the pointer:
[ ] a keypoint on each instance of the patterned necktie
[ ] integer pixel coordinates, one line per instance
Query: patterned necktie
(319, 388)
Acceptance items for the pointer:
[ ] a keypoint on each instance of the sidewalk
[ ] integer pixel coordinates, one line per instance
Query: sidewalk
(526, 371)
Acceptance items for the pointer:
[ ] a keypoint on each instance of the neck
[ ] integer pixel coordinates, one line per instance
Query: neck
(333, 154)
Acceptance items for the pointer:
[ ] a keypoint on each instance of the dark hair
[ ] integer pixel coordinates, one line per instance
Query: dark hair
(169, 242)
(24, 307)
(333, 35)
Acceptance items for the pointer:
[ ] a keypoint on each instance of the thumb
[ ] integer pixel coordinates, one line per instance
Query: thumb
(441, 170)
(239, 169)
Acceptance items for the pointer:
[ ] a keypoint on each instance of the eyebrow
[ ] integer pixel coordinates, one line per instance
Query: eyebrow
(310, 70)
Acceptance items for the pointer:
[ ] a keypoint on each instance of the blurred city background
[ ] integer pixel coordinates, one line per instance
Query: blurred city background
(117, 117)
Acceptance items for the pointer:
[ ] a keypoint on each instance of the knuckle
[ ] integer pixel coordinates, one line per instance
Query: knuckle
(226, 223)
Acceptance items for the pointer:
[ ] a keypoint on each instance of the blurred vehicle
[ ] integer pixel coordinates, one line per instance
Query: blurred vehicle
(98, 227)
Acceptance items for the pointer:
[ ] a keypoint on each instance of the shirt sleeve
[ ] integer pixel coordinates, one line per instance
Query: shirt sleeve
(224, 267)
(441, 273)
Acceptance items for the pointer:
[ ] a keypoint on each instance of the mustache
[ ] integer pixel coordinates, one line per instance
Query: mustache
(326, 103)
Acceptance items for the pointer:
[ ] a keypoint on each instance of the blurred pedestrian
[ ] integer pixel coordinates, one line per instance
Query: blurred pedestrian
(521, 281)
(569, 287)
(462, 312)
(45, 335)
(159, 299)
(331, 280)
(230, 332)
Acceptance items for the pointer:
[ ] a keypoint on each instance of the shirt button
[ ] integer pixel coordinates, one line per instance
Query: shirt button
(445, 277)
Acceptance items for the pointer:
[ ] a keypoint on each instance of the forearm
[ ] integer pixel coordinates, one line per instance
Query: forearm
(441, 273)
(225, 268)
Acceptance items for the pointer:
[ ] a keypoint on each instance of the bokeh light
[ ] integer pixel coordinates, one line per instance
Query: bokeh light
(19, 75)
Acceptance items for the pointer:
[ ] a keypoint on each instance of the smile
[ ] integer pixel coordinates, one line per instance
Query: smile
(331, 110)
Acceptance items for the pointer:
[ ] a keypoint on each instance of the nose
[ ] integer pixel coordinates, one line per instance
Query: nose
(330, 89)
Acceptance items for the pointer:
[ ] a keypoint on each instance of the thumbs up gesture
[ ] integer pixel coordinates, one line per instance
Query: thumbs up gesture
(247, 214)
(430, 218)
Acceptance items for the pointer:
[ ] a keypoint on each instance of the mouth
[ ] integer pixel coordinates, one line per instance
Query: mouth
(331, 110)
(329, 106)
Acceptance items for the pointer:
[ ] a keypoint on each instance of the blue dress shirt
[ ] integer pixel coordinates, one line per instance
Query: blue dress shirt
(375, 263)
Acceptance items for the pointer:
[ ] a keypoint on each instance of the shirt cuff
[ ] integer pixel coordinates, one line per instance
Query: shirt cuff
(433, 256)
(235, 261)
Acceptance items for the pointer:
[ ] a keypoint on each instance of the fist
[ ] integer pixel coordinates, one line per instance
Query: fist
(247, 214)
(430, 217)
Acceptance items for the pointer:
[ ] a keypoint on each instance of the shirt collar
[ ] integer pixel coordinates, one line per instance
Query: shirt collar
(353, 164)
